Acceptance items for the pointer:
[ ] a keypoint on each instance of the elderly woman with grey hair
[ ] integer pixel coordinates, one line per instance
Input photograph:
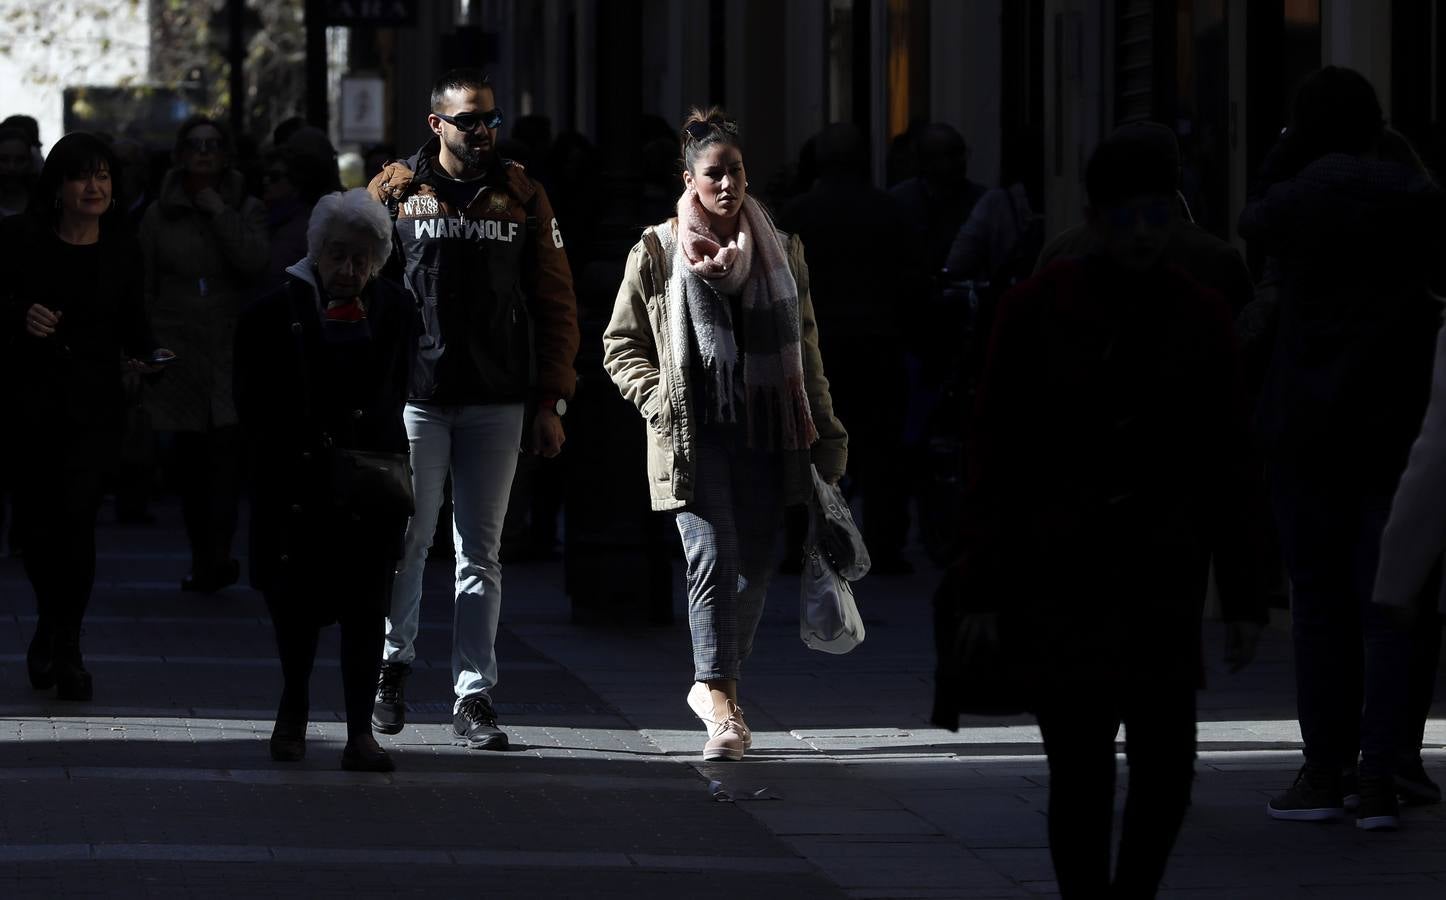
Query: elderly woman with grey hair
(321, 368)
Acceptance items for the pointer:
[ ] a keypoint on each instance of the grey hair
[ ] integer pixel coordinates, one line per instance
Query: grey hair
(350, 212)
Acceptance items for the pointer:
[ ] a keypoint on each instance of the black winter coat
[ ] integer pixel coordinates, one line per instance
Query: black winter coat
(66, 388)
(1357, 241)
(300, 543)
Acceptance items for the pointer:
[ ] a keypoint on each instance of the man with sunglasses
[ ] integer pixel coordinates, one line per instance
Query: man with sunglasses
(483, 256)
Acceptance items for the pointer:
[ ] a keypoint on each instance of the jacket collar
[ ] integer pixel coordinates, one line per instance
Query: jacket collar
(498, 175)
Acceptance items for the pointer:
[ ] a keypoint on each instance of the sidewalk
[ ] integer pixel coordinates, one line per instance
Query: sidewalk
(162, 786)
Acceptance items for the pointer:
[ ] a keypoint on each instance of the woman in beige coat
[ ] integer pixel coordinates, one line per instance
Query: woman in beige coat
(205, 244)
(713, 339)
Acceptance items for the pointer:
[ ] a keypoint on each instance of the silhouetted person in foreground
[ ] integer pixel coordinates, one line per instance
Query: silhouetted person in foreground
(1356, 237)
(1111, 459)
(1214, 263)
(73, 300)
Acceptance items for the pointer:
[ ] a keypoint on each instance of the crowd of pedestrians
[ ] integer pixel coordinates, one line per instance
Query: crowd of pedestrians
(1138, 412)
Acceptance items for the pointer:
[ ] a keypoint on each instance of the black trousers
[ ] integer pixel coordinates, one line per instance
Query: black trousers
(208, 475)
(55, 515)
(1079, 730)
(362, 619)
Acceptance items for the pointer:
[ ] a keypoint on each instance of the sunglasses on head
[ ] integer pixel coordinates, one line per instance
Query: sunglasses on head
(202, 145)
(468, 121)
(697, 131)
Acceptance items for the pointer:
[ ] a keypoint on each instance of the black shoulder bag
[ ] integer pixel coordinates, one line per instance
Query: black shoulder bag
(366, 484)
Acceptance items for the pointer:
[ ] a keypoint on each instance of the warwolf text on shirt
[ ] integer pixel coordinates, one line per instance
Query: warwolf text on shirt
(458, 227)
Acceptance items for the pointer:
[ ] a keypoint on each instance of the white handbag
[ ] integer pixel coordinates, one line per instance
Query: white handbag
(828, 618)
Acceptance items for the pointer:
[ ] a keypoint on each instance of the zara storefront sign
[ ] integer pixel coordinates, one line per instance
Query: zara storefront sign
(383, 13)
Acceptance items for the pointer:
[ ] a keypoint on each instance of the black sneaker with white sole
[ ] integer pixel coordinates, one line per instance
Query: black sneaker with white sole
(475, 725)
(1315, 797)
(389, 710)
(1379, 809)
(1414, 787)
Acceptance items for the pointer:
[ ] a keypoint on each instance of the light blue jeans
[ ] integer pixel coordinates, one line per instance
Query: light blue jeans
(478, 445)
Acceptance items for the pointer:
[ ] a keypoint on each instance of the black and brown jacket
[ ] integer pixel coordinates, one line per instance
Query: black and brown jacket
(485, 261)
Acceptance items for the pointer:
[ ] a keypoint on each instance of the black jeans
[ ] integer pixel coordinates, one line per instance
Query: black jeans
(1079, 739)
(1352, 657)
(297, 631)
(55, 515)
(208, 473)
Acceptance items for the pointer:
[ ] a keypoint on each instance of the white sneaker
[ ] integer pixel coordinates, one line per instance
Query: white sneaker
(728, 737)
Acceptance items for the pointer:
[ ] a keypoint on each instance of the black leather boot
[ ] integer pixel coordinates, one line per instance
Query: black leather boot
(72, 681)
(40, 658)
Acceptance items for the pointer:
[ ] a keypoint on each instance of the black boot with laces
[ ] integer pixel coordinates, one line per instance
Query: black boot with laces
(475, 725)
(389, 712)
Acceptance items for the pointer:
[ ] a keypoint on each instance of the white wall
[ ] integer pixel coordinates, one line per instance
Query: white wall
(34, 73)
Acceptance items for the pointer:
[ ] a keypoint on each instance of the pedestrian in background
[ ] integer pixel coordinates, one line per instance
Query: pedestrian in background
(482, 254)
(1111, 458)
(205, 244)
(323, 362)
(1356, 237)
(73, 304)
(713, 339)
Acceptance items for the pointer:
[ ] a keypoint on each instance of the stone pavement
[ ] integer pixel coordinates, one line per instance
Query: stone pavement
(162, 786)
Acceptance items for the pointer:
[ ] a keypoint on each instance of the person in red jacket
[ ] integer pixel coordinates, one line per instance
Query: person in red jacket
(1111, 461)
(482, 254)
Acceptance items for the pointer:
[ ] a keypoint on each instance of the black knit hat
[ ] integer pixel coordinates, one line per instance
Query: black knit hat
(1139, 158)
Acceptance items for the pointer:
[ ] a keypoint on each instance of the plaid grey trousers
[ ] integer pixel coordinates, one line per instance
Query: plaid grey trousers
(730, 542)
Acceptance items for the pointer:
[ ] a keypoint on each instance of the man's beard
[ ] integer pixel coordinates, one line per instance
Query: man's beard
(472, 157)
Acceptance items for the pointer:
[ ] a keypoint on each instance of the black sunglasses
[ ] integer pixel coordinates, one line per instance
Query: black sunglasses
(468, 121)
(697, 131)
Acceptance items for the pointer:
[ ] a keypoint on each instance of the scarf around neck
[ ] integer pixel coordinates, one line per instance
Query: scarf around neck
(754, 267)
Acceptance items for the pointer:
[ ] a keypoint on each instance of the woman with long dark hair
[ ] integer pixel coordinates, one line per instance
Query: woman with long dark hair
(713, 339)
(73, 305)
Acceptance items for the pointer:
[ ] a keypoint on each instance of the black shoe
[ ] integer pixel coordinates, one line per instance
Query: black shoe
(389, 711)
(1379, 810)
(40, 659)
(1315, 797)
(72, 681)
(1350, 789)
(1414, 787)
(288, 741)
(211, 580)
(475, 724)
(359, 758)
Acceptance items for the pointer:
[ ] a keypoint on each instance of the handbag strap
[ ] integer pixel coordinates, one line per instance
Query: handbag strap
(298, 331)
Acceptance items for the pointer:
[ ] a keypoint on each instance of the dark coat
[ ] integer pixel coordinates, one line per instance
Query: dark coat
(1348, 379)
(67, 389)
(201, 271)
(1111, 459)
(299, 540)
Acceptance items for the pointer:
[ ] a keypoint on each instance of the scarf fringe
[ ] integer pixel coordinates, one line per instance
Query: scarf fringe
(776, 411)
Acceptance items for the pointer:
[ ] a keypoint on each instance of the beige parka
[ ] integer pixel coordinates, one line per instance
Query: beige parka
(638, 354)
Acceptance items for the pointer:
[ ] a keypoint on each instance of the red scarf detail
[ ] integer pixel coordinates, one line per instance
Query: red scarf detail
(350, 311)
